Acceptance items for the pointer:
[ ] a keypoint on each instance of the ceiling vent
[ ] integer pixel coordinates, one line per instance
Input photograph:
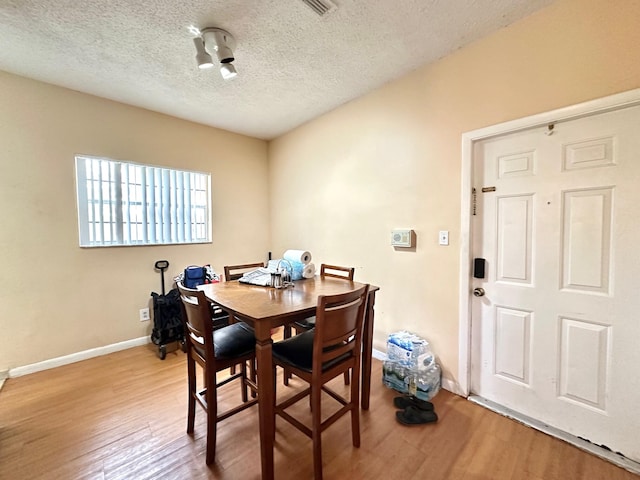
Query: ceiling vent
(321, 7)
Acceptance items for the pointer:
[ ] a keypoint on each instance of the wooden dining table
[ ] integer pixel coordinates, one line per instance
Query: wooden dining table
(266, 308)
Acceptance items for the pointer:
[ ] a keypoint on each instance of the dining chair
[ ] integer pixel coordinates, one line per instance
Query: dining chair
(214, 351)
(336, 271)
(308, 323)
(234, 272)
(317, 356)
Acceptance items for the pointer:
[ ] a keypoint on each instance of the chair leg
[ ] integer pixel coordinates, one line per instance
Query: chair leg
(191, 409)
(316, 432)
(275, 401)
(232, 369)
(346, 378)
(286, 331)
(252, 375)
(212, 419)
(243, 382)
(355, 411)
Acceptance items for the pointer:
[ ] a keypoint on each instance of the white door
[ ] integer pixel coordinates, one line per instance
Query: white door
(557, 334)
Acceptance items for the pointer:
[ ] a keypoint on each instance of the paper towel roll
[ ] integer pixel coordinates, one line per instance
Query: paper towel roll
(309, 270)
(301, 256)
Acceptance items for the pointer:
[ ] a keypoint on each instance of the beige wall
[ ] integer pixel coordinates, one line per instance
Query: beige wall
(339, 184)
(56, 298)
(393, 158)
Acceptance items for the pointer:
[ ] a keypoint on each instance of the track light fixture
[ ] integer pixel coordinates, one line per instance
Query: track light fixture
(228, 71)
(221, 42)
(202, 57)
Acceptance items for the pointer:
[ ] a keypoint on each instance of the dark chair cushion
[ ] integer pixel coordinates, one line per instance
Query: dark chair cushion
(219, 317)
(307, 323)
(233, 341)
(297, 351)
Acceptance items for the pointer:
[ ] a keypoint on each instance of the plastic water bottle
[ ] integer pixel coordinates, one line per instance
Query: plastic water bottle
(428, 382)
(395, 375)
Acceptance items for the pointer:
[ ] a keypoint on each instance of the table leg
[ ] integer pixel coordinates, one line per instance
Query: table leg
(266, 400)
(367, 352)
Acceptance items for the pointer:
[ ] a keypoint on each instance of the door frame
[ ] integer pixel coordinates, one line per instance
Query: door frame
(593, 107)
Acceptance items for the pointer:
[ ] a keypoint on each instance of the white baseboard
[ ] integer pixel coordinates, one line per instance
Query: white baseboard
(379, 355)
(76, 357)
(451, 386)
(447, 383)
(615, 458)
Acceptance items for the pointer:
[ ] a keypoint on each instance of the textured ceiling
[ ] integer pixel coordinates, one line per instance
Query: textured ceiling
(293, 65)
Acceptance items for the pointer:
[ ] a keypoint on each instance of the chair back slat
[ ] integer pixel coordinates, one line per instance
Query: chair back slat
(337, 271)
(234, 272)
(197, 320)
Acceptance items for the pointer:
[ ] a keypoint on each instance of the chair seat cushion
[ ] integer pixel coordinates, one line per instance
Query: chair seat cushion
(234, 340)
(307, 323)
(297, 351)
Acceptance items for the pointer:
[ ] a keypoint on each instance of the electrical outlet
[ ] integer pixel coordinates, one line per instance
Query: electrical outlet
(144, 314)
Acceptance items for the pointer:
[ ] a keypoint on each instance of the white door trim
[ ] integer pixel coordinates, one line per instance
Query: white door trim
(592, 107)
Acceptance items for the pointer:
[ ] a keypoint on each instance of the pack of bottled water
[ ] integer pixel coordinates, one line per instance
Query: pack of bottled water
(423, 384)
(409, 350)
(410, 366)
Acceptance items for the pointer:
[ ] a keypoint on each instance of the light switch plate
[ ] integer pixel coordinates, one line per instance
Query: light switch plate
(443, 237)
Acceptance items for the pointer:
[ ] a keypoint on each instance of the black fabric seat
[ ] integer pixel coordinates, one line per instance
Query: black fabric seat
(234, 340)
(305, 324)
(298, 352)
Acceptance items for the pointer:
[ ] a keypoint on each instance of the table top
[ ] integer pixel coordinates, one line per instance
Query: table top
(266, 303)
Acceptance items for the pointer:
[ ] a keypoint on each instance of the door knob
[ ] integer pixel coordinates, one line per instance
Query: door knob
(478, 292)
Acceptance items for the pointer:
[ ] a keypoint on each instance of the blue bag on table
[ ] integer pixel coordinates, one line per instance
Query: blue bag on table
(194, 276)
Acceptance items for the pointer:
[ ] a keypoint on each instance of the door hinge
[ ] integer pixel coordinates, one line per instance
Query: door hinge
(474, 200)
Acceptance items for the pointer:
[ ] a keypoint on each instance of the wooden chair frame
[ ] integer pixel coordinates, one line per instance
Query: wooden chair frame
(337, 346)
(200, 350)
(234, 272)
(335, 271)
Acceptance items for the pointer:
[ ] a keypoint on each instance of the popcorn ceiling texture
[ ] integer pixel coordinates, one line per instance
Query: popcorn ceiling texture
(293, 65)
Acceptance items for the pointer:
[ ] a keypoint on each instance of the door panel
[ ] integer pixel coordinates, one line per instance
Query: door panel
(556, 335)
(514, 224)
(586, 233)
(584, 354)
(513, 344)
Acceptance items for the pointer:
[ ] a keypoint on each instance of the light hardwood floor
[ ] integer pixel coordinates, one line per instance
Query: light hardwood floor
(123, 416)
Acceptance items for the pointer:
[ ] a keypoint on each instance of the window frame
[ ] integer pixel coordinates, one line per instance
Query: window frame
(122, 203)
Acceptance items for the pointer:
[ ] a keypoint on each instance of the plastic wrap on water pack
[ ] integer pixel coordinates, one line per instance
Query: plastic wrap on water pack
(409, 350)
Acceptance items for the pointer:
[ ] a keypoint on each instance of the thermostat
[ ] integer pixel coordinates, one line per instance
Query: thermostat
(403, 238)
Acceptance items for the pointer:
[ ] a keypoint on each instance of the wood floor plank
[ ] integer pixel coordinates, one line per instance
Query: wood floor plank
(123, 416)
